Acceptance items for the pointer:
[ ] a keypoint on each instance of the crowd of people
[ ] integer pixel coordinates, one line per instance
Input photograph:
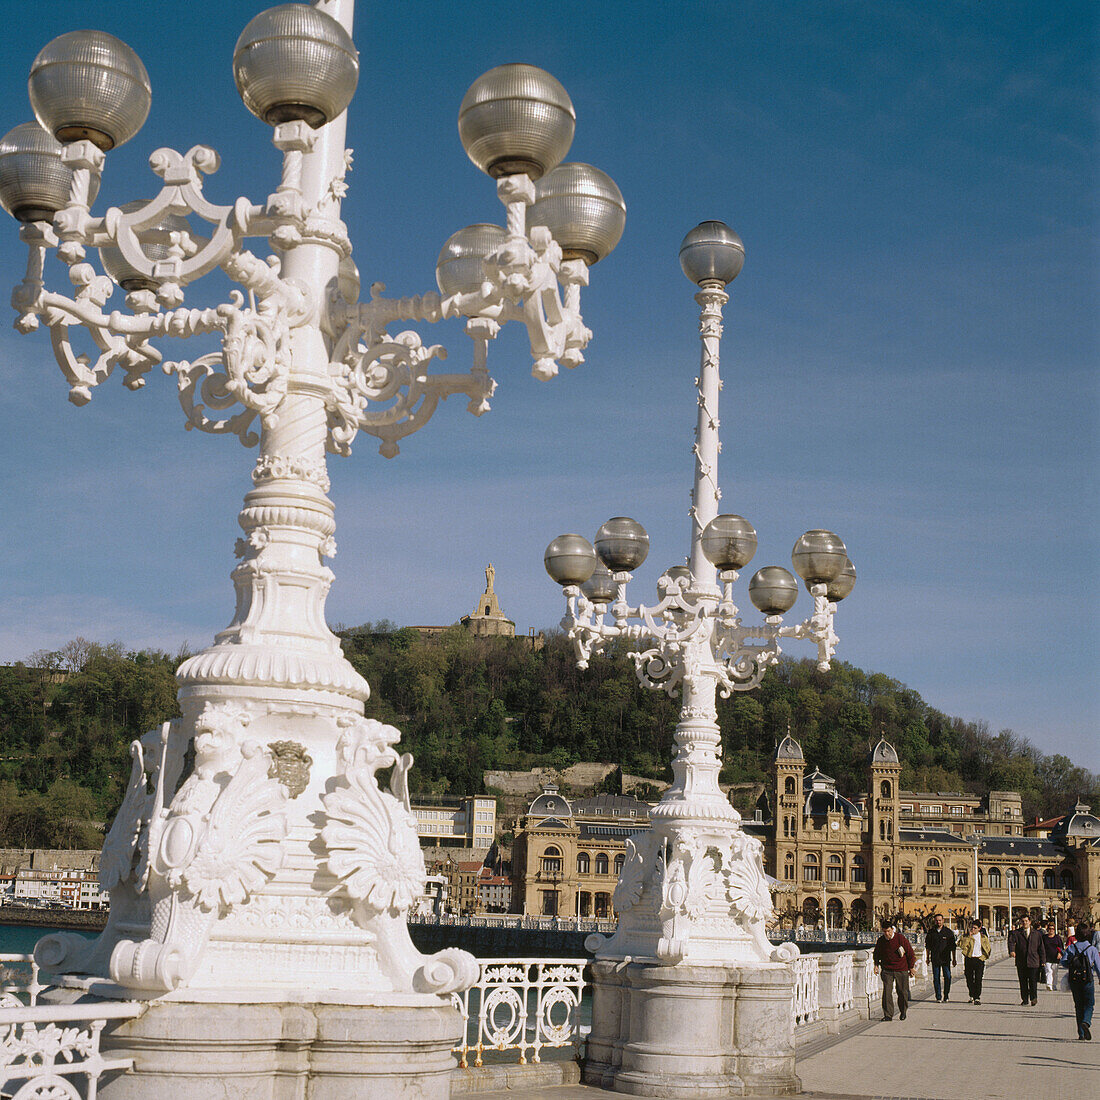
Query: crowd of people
(1035, 950)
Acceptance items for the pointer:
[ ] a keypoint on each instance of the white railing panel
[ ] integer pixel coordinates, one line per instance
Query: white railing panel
(19, 984)
(843, 977)
(45, 1050)
(523, 1005)
(806, 1004)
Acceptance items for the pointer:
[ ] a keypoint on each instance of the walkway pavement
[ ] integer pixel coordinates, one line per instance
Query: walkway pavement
(998, 1050)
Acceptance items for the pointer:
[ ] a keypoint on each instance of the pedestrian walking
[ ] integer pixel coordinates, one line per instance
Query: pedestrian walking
(1025, 945)
(1052, 944)
(976, 949)
(941, 951)
(1082, 960)
(894, 957)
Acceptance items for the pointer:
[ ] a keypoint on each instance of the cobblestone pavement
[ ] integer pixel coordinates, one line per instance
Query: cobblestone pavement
(998, 1050)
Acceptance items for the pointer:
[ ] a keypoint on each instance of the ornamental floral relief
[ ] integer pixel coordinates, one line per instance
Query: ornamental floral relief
(371, 839)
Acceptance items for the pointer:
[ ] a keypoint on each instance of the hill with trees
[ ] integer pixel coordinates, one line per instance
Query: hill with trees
(466, 705)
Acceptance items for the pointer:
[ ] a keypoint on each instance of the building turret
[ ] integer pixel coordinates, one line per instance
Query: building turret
(790, 766)
(883, 819)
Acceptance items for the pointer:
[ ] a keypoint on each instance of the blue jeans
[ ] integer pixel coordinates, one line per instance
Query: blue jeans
(1084, 997)
(946, 968)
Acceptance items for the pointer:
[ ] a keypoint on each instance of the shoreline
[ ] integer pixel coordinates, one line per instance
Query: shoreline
(78, 920)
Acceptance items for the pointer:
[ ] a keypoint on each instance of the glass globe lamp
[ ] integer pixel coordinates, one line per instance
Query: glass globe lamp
(154, 244)
(773, 590)
(295, 62)
(622, 544)
(843, 583)
(570, 559)
(516, 119)
(458, 269)
(600, 587)
(818, 557)
(34, 184)
(712, 254)
(729, 542)
(90, 86)
(582, 208)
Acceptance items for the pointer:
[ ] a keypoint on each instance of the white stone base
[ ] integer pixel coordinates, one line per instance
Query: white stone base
(194, 1051)
(688, 1032)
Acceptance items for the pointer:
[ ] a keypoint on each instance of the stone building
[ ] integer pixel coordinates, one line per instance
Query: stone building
(567, 854)
(468, 822)
(910, 853)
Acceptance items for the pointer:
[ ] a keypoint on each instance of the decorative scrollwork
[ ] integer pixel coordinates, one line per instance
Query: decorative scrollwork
(504, 1016)
(391, 373)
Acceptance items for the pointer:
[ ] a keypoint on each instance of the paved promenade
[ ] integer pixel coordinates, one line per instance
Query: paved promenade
(998, 1050)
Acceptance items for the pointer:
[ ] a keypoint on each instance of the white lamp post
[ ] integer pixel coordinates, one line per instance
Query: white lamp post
(255, 857)
(693, 889)
(975, 841)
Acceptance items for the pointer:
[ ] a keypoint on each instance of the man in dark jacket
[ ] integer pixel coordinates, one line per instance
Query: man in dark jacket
(939, 945)
(894, 957)
(1026, 946)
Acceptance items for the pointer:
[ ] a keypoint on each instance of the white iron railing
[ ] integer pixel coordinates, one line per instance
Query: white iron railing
(524, 1005)
(51, 1052)
(45, 1047)
(19, 984)
(518, 920)
(806, 1005)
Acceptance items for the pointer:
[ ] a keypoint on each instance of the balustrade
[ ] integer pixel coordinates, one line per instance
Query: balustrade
(521, 1004)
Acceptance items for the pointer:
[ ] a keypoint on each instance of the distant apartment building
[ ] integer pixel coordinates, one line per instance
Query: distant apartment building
(51, 877)
(468, 822)
(494, 892)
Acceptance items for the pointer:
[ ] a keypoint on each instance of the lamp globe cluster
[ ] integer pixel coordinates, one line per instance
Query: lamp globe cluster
(621, 545)
(517, 119)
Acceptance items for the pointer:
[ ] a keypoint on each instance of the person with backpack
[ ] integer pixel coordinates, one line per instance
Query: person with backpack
(976, 949)
(1082, 961)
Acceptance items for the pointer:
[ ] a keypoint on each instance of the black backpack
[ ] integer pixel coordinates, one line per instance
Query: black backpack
(1078, 967)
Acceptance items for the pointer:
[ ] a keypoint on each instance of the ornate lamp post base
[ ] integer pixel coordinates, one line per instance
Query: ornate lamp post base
(692, 1031)
(392, 1049)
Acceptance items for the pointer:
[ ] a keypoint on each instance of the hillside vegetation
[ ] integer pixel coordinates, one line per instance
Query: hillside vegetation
(469, 704)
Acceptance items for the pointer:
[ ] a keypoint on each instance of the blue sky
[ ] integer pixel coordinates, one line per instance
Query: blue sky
(910, 354)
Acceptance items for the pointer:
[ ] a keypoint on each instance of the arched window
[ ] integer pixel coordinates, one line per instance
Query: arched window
(885, 788)
(994, 878)
(811, 872)
(788, 866)
(835, 869)
(1012, 876)
(1031, 879)
(1048, 879)
(933, 874)
(788, 785)
(551, 861)
(601, 863)
(583, 863)
(885, 875)
(859, 869)
(619, 860)
(1067, 880)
